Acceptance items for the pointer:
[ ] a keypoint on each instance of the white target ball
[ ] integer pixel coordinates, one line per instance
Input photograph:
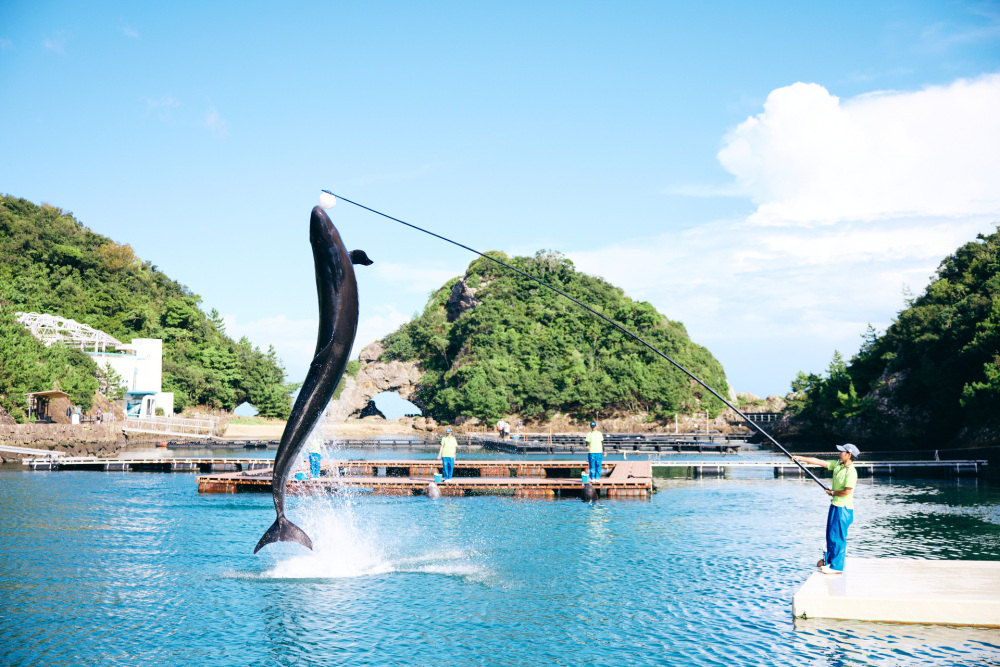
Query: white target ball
(326, 200)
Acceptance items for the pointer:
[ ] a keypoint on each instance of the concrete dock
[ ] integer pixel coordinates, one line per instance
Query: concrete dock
(895, 590)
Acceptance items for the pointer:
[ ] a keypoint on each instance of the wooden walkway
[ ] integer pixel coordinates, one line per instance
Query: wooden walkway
(521, 479)
(489, 468)
(193, 464)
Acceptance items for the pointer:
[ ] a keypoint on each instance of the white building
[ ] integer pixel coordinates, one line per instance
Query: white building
(139, 363)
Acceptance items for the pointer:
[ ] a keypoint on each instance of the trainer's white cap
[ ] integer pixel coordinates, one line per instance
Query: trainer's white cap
(850, 449)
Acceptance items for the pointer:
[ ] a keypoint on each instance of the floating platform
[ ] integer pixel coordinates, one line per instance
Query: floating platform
(895, 590)
(522, 479)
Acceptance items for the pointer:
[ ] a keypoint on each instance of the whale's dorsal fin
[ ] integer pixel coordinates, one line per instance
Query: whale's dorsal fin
(359, 257)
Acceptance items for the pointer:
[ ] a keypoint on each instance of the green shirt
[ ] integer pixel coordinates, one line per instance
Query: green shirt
(448, 446)
(844, 477)
(316, 446)
(595, 441)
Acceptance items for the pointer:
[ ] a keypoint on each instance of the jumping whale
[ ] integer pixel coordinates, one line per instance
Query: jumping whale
(337, 288)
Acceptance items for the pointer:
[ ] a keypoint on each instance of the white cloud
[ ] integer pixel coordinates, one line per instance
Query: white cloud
(811, 158)
(163, 106)
(6, 44)
(56, 43)
(130, 32)
(295, 340)
(855, 199)
(216, 124)
(787, 295)
(419, 278)
(384, 320)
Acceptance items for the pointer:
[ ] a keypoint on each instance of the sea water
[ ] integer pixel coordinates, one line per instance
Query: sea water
(139, 569)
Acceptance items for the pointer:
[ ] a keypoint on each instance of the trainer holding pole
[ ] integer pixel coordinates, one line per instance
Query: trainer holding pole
(841, 514)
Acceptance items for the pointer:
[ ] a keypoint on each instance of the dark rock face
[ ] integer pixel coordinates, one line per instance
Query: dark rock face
(371, 410)
(462, 299)
(893, 419)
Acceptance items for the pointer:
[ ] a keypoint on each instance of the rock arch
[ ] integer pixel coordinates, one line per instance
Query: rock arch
(372, 379)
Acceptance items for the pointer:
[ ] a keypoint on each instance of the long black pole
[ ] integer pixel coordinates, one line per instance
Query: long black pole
(606, 319)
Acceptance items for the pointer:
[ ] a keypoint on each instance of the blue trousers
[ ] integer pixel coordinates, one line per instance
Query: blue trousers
(838, 520)
(314, 465)
(448, 466)
(595, 461)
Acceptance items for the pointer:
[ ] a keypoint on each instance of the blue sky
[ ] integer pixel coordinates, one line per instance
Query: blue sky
(773, 177)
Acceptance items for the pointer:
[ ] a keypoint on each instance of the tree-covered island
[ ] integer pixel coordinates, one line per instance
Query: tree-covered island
(492, 343)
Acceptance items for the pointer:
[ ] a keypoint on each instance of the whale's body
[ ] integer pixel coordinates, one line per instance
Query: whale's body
(337, 289)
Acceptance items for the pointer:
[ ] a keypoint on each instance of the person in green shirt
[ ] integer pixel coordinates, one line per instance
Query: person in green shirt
(595, 451)
(447, 454)
(841, 513)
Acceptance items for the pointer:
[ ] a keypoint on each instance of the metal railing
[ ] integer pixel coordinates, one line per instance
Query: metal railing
(192, 428)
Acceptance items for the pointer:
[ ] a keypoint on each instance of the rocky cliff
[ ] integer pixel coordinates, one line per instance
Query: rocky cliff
(373, 378)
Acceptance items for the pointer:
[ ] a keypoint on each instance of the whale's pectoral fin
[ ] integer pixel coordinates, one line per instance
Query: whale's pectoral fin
(283, 530)
(359, 257)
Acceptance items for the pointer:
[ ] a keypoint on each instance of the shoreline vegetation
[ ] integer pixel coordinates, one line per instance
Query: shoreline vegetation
(488, 346)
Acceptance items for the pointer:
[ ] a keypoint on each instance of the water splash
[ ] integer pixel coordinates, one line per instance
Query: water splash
(341, 547)
(350, 538)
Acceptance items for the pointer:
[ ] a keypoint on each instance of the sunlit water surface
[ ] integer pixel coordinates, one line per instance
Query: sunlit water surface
(139, 569)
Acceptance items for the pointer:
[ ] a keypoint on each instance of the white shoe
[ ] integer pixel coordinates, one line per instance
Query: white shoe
(826, 569)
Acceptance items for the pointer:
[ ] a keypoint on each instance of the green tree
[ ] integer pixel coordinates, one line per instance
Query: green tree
(110, 383)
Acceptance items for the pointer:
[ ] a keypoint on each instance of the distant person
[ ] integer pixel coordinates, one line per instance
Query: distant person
(841, 514)
(447, 454)
(76, 415)
(595, 451)
(315, 456)
(100, 415)
(506, 430)
(500, 428)
(69, 413)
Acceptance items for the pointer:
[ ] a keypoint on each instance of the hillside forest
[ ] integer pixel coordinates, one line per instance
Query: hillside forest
(492, 343)
(51, 263)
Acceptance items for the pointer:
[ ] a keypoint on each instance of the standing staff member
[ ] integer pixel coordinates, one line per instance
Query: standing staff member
(315, 455)
(841, 514)
(447, 454)
(595, 451)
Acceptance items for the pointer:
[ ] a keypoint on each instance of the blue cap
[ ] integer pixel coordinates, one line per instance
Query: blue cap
(850, 449)
(448, 430)
(593, 424)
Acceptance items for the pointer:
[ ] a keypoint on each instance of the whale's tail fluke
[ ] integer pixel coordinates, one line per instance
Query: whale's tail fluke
(283, 530)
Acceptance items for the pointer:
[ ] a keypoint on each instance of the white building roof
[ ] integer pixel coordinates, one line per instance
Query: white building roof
(54, 329)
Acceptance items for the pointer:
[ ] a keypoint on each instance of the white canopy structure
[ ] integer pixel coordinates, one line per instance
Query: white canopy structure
(54, 329)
